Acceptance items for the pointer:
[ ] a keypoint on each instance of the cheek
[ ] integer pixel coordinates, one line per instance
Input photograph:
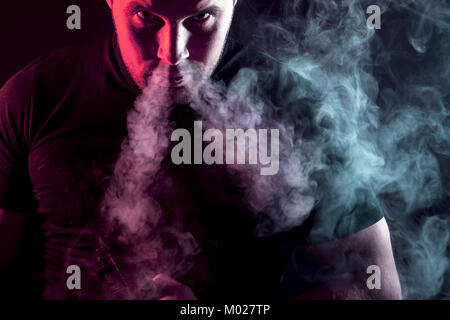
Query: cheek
(143, 43)
(206, 48)
(137, 44)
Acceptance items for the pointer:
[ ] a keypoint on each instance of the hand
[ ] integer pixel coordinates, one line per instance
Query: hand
(171, 289)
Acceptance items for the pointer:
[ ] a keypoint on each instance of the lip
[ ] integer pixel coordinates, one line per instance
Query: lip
(174, 74)
(175, 79)
(169, 80)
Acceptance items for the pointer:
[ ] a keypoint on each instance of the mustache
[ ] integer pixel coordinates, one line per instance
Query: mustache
(186, 75)
(184, 68)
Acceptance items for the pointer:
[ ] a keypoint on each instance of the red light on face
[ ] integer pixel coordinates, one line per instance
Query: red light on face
(153, 37)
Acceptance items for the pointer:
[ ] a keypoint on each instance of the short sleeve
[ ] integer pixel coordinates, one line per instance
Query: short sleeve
(341, 222)
(337, 213)
(16, 193)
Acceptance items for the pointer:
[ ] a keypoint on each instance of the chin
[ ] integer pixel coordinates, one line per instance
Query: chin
(167, 95)
(178, 95)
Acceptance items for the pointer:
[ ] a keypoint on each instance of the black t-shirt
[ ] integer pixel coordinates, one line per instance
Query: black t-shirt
(62, 122)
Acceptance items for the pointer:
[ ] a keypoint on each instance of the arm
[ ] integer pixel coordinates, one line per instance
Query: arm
(352, 255)
(16, 191)
(12, 230)
(14, 275)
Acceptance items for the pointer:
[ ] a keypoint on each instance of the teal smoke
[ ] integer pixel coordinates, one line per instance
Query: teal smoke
(383, 121)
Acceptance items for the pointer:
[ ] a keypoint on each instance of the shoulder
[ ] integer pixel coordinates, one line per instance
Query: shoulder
(288, 97)
(335, 220)
(59, 68)
(20, 84)
(267, 75)
(33, 92)
(73, 65)
(15, 96)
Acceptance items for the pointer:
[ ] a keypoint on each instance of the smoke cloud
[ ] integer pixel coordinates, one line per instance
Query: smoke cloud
(366, 117)
(384, 118)
(145, 244)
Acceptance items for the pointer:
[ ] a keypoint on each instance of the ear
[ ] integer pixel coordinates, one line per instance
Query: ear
(110, 3)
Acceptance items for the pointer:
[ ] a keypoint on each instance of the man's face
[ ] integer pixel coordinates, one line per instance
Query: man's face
(162, 41)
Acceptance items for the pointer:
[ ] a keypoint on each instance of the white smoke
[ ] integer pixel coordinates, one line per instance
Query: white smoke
(150, 248)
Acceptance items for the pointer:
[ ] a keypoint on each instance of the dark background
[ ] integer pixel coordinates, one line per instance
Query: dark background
(29, 29)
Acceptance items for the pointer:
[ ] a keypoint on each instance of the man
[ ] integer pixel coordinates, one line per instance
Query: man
(62, 121)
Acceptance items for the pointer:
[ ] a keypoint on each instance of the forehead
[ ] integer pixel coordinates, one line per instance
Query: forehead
(176, 8)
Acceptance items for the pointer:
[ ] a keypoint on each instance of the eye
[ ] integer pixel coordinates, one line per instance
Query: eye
(144, 15)
(146, 18)
(202, 16)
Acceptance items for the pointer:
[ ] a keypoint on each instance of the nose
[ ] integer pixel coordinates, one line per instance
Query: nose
(173, 40)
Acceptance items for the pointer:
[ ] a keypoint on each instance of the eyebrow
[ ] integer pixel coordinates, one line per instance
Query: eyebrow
(212, 8)
(148, 5)
(135, 4)
(204, 5)
(130, 7)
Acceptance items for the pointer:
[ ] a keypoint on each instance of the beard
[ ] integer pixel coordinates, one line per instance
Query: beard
(175, 96)
(151, 78)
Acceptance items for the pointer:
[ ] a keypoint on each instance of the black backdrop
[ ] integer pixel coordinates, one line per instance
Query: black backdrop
(32, 28)
(29, 29)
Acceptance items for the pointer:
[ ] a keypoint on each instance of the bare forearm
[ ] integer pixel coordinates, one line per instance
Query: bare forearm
(346, 261)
